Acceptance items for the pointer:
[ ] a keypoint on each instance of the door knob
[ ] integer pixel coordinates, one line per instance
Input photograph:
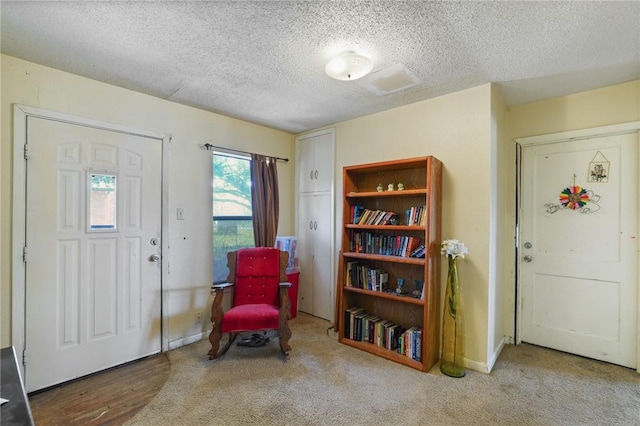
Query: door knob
(154, 258)
(527, 258)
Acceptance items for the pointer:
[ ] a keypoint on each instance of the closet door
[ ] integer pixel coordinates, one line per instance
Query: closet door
(316, 282)
(323, 162)
(314, 165)
(315, 162)
(323, 276)
(306, 165)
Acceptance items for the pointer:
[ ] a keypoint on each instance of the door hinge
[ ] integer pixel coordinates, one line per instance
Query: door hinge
(24, 254)
(24, 357)
(26, 151)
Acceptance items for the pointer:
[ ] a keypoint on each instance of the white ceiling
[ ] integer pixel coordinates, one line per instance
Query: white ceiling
(263, 61)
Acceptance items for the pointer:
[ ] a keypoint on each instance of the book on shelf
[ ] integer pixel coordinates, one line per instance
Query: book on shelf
(372, 329)
(349, 321)
(351, 273)
(364, 216)
(412, 244)
(415, 216)
(372, 217)
(423, 215)
(417, 250)
(387, 217)
(392, 332)
(383, 281)
(366, 277)
(366, 327)
(379, 338)
(358, 320)
(356, 214)
(386, 245)
(410, 343)
(378, 217)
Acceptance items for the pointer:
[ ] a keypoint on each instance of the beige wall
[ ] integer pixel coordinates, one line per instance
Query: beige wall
(600, 107)
(456, 129)
(189, 173)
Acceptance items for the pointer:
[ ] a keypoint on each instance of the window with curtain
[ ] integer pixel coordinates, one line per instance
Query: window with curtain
(232, 217)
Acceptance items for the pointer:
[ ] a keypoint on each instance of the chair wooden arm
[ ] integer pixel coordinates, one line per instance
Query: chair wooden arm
(220, 286)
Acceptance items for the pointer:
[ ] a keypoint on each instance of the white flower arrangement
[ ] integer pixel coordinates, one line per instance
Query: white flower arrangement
(453, 249)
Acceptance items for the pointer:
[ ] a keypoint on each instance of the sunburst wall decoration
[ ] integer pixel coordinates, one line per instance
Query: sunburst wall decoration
(574, 197)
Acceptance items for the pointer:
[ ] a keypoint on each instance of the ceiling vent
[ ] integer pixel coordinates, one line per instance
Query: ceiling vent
(391, 79)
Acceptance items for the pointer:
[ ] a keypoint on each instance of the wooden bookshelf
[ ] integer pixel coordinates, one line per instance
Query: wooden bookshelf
(371, 251)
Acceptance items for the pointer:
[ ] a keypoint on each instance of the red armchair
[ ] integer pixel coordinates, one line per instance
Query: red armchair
(260, 298)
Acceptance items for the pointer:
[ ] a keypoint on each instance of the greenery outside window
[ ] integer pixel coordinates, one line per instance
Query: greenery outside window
(232, 217)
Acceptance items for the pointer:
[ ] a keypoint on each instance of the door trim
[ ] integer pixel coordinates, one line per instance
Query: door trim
(596, 132)
(18, 268)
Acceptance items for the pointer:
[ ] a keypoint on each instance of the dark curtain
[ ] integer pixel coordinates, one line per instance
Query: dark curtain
(265, 200)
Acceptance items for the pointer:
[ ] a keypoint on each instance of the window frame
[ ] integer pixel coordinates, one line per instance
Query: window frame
(229, 218)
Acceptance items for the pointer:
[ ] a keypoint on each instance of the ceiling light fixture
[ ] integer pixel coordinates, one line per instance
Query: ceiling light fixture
(348, 66)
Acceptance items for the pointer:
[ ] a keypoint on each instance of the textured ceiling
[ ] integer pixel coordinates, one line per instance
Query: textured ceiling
(263, 61)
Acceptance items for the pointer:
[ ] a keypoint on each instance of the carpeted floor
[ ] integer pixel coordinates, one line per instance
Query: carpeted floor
(326, 383)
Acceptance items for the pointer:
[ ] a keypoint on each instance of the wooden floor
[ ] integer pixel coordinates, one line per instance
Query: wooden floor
(108, 398)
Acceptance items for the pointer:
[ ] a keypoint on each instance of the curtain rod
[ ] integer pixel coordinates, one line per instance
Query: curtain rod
(211, 147)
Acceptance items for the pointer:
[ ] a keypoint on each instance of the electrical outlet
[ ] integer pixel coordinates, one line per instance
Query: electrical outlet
(198, 317)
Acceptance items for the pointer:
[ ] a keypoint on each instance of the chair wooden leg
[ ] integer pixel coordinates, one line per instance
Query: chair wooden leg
(285, 314)
(214, 339)
(225, 348)
(216, 318)
(285, 335)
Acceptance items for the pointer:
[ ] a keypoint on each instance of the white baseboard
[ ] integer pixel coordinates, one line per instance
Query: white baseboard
(496, 353)
(174, 344)
(480, 367)
(486, 368)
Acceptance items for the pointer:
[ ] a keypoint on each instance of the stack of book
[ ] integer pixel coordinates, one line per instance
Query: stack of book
(415, 216)
(388, 245)
(365, 276)
(362, 216)
(364, 327)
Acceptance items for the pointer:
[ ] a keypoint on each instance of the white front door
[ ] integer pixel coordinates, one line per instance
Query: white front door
(579, 246)
(93, 269)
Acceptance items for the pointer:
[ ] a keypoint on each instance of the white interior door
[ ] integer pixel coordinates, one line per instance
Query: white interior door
(323, 279)
(315, 287)
(314, 165)
(305, 164)
(93, 269)
(305, 252)
(314, 161)
(578, 246)
(323, 158)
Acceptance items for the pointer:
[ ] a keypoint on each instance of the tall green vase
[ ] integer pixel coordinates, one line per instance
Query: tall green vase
(452, 357)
